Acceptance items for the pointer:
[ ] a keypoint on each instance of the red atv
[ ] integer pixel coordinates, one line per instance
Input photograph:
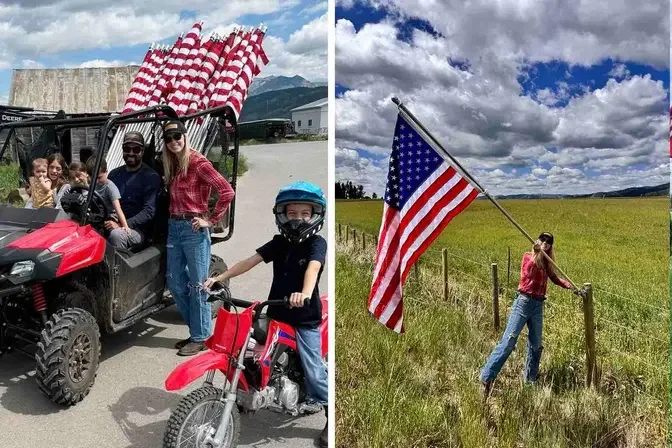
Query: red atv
(61, 283)
(262, 370)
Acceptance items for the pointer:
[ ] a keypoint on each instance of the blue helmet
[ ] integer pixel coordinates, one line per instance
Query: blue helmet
(298, 230)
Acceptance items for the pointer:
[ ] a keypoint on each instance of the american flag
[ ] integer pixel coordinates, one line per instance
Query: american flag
(423, 193)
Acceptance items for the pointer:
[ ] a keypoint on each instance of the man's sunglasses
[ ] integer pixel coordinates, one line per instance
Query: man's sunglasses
(171, 137)
(134, 149)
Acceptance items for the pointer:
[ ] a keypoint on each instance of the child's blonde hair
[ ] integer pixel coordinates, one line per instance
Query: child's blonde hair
(40, 162)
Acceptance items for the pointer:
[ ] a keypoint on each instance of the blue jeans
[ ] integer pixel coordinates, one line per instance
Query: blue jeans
(524, 311)
(309, 347)
(187, 269)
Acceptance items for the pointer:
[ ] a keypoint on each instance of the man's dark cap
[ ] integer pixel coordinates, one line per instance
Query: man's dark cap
(135, 138)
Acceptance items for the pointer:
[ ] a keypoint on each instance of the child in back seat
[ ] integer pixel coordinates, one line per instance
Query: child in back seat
(109, 193)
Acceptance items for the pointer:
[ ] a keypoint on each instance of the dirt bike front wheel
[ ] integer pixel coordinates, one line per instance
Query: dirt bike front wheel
(195, 416)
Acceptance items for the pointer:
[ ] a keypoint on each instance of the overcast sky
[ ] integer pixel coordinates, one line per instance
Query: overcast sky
(553, 96)
(76, 33)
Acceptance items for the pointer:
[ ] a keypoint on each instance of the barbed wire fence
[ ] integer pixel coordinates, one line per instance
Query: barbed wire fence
(505, 290)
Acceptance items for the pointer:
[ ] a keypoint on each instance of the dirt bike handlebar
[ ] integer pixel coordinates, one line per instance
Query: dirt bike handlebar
(221, 292)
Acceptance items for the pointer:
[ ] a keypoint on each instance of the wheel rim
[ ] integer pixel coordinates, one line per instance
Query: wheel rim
(80, 358)
(200, 422)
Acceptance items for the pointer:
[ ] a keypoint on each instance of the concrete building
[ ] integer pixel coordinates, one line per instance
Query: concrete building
(311, 118)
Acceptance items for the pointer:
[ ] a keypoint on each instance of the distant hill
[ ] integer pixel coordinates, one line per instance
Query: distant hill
(270, 83)
(279, 103)
(632, 192)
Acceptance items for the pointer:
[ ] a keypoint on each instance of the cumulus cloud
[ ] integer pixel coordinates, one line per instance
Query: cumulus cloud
(37, 28)
(103, 63)
(619, 71)
(29, 63)
(479, 109)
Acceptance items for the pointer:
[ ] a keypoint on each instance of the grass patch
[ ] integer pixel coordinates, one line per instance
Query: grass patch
(225, 167)
(422, 389)
(9, 180)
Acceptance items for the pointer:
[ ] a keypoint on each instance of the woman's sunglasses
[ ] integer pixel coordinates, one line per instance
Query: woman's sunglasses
(170, 138)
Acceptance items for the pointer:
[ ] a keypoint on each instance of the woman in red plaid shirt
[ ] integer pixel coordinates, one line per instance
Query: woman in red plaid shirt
(528, 309)
(190, 178)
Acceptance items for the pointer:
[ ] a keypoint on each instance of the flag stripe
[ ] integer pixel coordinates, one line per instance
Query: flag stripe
(468, 195)
(447, 197)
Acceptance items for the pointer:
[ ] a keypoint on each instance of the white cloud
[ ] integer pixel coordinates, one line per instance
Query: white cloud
(482, 114)
(311, 38)
(103, 63)
(32, 28)
(619, 71)
(318, 7)
(370, 173)
(29, 63)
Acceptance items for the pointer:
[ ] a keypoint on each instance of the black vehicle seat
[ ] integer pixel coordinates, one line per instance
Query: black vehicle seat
(260, 328)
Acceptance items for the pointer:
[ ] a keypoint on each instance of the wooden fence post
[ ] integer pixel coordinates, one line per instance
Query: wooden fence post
(589, 326)
(495, 295)
(375, 238)
(364, 242)
(339, 231)
(444, 268)
(354, 237)
(347, 234)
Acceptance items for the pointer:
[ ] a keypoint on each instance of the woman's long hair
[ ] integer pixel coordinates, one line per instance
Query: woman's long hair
(65, 174)
(542, 263)
(174, 165)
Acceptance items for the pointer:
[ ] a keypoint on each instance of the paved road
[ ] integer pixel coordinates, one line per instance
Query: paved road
(128, 406)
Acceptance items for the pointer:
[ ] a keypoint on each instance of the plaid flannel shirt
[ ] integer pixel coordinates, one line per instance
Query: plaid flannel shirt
(533, 280)
(189, 193)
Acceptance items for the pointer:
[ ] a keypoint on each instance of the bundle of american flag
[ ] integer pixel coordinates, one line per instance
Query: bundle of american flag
(193, 75)
(424, 193)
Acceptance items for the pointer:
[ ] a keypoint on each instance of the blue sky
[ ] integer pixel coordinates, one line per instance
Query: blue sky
(117, 46)
(601, 111)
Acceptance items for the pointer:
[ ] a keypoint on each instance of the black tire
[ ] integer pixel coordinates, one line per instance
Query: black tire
(217, 266)
(186, 405)
(67, 332)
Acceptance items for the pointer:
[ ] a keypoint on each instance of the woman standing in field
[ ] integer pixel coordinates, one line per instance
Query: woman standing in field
(190, 178)
(528, 309)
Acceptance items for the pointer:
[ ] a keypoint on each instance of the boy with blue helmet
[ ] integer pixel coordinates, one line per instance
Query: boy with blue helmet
(298, 254)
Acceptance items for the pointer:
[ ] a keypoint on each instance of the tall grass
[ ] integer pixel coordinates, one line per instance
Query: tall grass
(422, 389)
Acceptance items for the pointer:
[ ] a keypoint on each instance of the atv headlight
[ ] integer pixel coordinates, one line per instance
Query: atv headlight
(22, 269)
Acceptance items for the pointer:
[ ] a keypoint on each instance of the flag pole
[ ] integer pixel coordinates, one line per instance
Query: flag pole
(438, 145)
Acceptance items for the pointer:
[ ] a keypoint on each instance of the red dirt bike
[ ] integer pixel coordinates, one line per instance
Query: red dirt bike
(267, 374)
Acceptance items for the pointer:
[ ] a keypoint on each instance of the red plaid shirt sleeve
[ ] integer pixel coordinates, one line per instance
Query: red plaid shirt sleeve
(209, 175)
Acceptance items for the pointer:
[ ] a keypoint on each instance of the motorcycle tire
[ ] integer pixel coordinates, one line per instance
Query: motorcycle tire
(200, 397)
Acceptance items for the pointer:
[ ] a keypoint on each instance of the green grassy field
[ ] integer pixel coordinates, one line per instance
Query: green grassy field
(421, 389)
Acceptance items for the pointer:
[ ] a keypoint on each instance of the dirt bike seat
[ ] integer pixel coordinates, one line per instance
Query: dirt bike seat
(260, 328)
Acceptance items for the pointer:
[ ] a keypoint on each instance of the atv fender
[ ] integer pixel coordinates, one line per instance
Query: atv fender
(189, 371)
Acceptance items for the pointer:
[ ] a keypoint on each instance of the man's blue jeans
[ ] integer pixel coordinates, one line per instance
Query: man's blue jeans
(528, 311)
(309, 347)
(187, 269)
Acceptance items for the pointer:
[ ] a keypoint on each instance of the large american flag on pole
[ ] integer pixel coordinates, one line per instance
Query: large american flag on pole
(424, 193)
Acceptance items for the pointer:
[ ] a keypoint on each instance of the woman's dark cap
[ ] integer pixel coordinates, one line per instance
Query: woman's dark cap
(547, 237)
(174, 127)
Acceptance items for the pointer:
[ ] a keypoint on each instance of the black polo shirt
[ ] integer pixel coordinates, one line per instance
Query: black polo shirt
(290, 262)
